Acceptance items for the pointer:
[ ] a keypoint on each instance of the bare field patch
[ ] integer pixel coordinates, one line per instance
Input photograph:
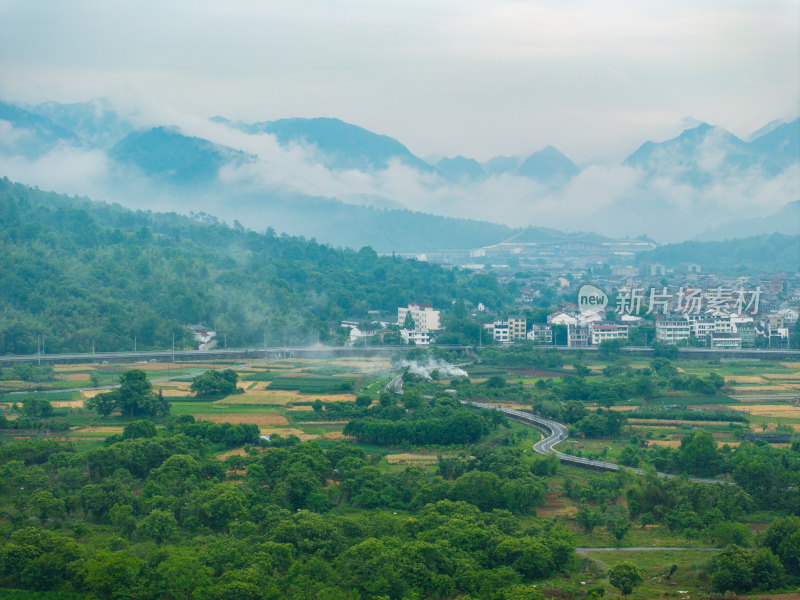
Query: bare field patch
(259, 387)
(790, 365)
(412, 459)
(782, 376)
(110, 429)
(666, 443)
(287, 431)
(660, 422)
(75, 377)
(734, 379)
(370, 365)
(336, 436)
(176, 393)
(762, 388)
(511, 405)
(74, 367)
(67, 404)
(237, 418)
(269, 397)
(234, 452)
(254, 400)
(770, 410)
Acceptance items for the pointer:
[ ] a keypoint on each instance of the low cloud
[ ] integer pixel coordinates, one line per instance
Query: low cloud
(615, 200)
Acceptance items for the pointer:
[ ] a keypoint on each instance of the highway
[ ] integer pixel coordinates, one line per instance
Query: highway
(557, 432)
(318, 350)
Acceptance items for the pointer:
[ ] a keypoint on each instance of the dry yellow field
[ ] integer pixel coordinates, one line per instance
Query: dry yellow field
(236, 418)
(180, 385)
(360, 363)
(75, 377)
(259, 386)
(173, 393)
(67, 404)
(287, 431)
(762, 388)
(744, 379)
(264, 397)
(666, 443)
(336, 436)
(234, 452)
(770, 410)
(676, 422)
(783, 376)
(103, 429)
(411, 459)
(70, 368)
(791, 365)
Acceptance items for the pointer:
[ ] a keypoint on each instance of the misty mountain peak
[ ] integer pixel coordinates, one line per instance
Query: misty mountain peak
(168, 154)
(548, 166)
(340, 145)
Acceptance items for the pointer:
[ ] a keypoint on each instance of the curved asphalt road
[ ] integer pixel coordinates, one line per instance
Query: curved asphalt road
(558, 433)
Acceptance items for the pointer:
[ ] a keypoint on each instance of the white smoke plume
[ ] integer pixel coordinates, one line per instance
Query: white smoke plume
(446, 370)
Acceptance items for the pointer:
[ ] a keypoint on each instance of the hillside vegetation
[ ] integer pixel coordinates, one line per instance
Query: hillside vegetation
(78, 272)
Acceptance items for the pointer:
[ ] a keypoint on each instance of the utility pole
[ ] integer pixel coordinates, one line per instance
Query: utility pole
(173, 346)
(134, 343)
(39, 350)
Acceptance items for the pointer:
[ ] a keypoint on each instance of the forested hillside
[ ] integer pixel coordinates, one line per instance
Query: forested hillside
(766, 253)
(77, 272)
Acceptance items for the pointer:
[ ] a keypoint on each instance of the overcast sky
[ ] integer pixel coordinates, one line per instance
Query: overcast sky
(478, 78)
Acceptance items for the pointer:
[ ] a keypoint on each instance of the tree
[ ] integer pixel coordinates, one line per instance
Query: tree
(215, 383)
(134, 398)
(609, 348)
(732, 569)
(625, 576)
(139, 429)
(113, 574)
(588, 518)
(46, 505)
(618, 526)
(159, 525)
(37, 408)
(698, 454)
(783, 539)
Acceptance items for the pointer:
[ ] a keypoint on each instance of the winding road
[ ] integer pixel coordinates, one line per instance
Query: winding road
(557, 433)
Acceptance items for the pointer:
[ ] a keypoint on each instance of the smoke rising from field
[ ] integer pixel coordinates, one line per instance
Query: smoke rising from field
(424, 369)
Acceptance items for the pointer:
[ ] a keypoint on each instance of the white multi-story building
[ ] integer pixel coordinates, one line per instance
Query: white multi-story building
(423, 315)
(416, 336)
(603, 330)
(561, 318)
(578, 336)
(541, 334)
(673, 330)
(501, 332)
(726, 340)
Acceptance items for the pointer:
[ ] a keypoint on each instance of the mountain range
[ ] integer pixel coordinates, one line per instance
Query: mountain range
(343, 184)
